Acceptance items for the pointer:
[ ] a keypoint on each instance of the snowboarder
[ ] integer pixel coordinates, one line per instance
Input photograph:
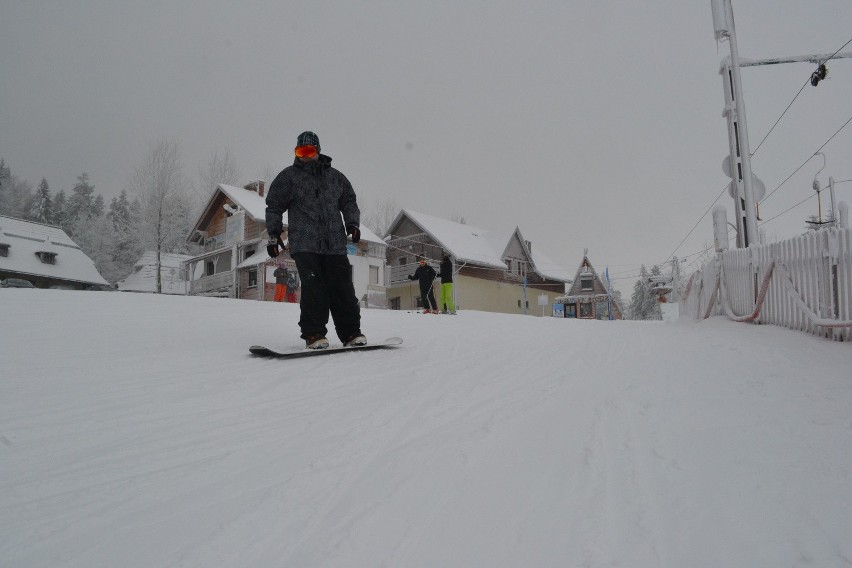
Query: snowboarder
(448, 304)
(425, 275)
(315, 194)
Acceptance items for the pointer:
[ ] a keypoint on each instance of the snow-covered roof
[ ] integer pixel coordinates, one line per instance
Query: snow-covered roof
(259, 257)
(144, 275)
(479, 246)
(550, 268)
(26, 239)
(370, 236)
(248, 200)
(465, 242)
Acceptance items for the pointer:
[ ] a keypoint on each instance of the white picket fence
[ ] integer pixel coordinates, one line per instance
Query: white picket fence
(804, 283)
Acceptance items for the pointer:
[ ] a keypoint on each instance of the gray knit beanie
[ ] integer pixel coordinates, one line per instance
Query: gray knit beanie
(308, 138)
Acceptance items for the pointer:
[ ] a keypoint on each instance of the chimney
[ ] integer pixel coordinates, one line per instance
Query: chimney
(256, 186)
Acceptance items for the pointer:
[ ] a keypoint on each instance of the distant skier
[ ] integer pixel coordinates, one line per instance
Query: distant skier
(315, 195)
(292, 285)
(425, 275)
(447, 302)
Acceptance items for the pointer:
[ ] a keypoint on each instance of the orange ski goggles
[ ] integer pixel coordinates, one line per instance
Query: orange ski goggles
(307, 151)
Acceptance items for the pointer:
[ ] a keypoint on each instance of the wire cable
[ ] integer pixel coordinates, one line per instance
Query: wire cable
(780, 117)
(696, 225)
(805, 84)
(791, 208)
(806, 161)
(838, 51)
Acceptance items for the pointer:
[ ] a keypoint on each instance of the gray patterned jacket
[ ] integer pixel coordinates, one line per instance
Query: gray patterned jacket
(314, 194)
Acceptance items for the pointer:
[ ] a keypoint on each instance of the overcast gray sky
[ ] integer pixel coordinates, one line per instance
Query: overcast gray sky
(587, 124)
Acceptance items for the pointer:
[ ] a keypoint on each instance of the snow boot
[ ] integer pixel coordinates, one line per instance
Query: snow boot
(316, 342)
(355, 340)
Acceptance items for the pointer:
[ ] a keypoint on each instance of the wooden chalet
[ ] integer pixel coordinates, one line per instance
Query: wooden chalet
(588, 297)
(493, 271)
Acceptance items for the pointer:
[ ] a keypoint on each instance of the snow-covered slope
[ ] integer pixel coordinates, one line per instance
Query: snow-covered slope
(136, 431)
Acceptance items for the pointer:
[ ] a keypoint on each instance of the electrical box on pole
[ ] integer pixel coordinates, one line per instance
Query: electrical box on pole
(720, 228)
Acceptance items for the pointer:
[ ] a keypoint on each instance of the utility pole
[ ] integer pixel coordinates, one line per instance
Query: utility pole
(723, 26)
(746, 189)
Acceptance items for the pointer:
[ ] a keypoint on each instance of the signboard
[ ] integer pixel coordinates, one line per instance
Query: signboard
(235, 227)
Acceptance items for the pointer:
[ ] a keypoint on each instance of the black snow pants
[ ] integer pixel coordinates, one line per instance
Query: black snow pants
(327, 286)
(428, 295)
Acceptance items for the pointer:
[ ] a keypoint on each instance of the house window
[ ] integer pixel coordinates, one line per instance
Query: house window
(252, 275)
(374, 274)
(4, 249)
(209, 268)
(47, 257)
(395, 303)
(587, 283)
(403, 260)
(248, 252)
(585, 310)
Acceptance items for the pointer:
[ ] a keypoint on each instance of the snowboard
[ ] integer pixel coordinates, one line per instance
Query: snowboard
(261, 351)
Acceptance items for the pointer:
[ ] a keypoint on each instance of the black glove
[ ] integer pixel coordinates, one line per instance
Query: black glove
(354, 231)
(273, 245)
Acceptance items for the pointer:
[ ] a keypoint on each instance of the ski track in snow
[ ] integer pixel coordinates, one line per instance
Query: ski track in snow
(136, 431)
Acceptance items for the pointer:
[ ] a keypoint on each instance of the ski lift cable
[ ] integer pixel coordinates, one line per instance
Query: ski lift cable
(696, 224)
(805, 84)
(806, 161)
(838, 51)
(790, 209)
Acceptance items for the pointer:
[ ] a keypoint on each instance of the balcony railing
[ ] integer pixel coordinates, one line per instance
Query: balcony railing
(205, 284)
(399, 274)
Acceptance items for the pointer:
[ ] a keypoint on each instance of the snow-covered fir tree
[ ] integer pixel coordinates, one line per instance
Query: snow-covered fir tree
(124, 229)
(81, 206)
(42, 205)
(16, 195)
(643, 302)
(60, 206)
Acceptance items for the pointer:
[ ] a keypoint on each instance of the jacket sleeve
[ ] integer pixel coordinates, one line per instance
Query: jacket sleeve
(348, 203)
(277, 202)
